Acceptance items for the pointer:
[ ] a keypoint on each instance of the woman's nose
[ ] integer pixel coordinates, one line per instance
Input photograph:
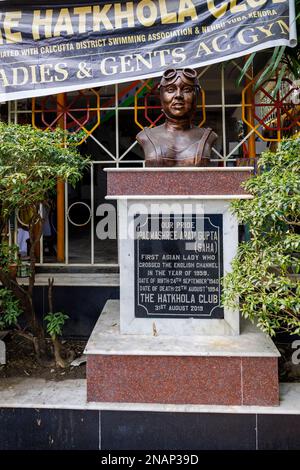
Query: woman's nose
(178, 92)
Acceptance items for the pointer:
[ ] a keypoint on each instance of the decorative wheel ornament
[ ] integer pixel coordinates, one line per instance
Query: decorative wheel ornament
(273, 111)
(79, 111)
(23, 216)
(147, 101)
(89, 214)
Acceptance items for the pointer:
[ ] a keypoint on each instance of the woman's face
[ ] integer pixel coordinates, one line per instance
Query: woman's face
(178, 99)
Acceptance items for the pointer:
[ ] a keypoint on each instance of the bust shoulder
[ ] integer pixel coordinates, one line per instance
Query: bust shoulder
(148, 132)
(199, 132)
(149, 140)
(206, 134)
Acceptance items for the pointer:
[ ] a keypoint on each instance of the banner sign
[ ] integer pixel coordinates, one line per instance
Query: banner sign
(51, 47)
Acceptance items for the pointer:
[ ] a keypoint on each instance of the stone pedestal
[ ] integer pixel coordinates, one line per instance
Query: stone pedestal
(170, 340)
(216, 370)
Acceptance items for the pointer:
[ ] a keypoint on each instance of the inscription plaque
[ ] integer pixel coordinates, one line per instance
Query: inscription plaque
(178, 266)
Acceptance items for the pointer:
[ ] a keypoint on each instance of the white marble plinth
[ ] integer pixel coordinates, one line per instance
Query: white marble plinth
(129, 323)
(107, 339)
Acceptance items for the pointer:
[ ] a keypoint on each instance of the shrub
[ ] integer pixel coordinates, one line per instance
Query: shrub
(265, 276)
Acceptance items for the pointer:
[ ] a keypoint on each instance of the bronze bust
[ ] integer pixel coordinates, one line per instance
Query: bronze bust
(177, 142)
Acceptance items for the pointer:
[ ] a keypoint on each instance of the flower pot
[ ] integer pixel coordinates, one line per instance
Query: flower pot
(13, 270)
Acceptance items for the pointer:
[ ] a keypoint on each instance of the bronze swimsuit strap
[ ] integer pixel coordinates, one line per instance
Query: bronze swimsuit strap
(201, 145)
(156, 147)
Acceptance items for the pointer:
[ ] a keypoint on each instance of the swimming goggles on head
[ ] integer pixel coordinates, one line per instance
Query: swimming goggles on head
(189, 76)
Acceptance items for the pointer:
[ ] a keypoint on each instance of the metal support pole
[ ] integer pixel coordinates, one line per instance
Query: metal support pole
(60, 190)
(249, 114)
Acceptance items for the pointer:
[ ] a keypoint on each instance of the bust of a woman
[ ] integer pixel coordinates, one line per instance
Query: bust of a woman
(177, 142)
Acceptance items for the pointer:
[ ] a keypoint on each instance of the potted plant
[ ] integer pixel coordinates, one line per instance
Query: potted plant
(9, 258)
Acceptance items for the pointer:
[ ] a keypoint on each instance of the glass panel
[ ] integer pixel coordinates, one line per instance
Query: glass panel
(50, 233)
(79, 221)
(105, 134)
(210, 81)
(234, 131)
(4, 112)
(107, 96)
(24, 117)
(233, 91)
(23, 105)
(126, 93)
(105, 235)
(214, 121)
(128, 130)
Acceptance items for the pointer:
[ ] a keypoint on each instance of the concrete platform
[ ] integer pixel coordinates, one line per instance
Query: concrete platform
(48, 415)
(215, 370)
(20, 392)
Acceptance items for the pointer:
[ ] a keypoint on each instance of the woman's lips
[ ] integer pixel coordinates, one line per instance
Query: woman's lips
(178, 105)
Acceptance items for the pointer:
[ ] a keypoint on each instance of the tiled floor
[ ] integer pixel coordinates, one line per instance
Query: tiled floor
(39, 415)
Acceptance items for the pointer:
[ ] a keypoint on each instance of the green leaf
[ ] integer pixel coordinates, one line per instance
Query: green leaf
(246, 67)
(272, 66)
(55, 322)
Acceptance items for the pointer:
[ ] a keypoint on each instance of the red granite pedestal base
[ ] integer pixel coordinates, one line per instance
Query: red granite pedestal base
(183, 380)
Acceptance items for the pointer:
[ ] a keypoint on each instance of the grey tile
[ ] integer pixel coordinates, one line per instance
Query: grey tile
(278, 432)
(31, 429)
(181, 431)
